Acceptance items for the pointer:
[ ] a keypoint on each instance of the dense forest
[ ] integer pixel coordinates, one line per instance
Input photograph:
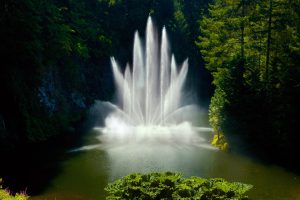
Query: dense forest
(244, 73)
(55, 57)
(252, 49)
(55, 63)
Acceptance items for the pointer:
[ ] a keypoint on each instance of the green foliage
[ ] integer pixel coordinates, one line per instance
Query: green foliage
(50, 48)
(5, 194)
(251, 49)
(171, 185)
(220, 141)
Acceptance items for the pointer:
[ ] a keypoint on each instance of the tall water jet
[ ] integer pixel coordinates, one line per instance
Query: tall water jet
(164, 75)
(150, 93)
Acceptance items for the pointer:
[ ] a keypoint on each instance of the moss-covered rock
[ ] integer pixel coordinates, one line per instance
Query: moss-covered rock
(220, 141)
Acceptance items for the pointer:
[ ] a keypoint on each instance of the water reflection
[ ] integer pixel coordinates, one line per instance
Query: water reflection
(87, 173)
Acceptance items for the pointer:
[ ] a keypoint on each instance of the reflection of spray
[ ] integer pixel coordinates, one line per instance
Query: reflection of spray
(154, 148)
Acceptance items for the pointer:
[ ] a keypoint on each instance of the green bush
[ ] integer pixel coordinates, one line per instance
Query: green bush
(6, 195)
(169, 185)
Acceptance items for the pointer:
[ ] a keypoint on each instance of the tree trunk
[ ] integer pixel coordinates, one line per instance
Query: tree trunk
(243, 33)
(269, 44)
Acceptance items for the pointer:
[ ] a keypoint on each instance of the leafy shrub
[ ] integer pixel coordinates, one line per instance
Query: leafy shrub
(169, 185)
(6, 195)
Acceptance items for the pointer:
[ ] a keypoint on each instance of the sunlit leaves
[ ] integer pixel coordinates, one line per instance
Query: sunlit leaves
(252, 49)
(170, 185)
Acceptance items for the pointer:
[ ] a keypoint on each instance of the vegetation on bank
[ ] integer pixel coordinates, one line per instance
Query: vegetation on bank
(252, 49)
(169, 185)
(6, 195)
(220, 141)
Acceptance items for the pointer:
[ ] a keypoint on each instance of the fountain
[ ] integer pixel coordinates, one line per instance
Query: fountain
(150, 105)
(151, 125)
(150, 93)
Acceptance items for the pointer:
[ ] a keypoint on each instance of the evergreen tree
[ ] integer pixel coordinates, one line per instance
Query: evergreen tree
(251, 48)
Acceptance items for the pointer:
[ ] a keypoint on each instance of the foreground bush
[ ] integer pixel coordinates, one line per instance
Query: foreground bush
(5, 194)
(170, 185)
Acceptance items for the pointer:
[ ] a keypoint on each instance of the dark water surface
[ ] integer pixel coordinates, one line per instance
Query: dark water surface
(84, 174)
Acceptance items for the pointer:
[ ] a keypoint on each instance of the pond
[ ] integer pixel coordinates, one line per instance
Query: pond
(85, 172)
